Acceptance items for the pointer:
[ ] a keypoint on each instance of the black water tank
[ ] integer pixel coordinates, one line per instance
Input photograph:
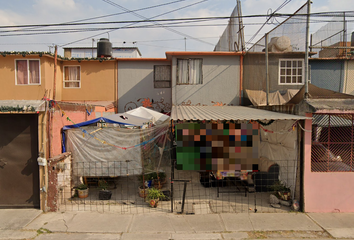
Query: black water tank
(104, 48)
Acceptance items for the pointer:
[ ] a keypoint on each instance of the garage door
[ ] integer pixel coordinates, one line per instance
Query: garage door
(19, 172)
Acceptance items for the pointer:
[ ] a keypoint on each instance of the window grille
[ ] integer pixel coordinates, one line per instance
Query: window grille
(332, 143)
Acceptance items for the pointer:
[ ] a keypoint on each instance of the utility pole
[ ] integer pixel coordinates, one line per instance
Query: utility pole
(185, 44)
(267, 67)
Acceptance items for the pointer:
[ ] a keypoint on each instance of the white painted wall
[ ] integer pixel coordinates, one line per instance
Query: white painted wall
(348, 85)
(136, 85)
(221, 82)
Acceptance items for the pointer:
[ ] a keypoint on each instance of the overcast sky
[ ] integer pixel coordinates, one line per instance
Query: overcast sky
(152, 42)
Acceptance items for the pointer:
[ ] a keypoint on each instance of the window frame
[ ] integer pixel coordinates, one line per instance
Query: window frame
(201, 71)
(162, 81)
(28, 72)
(71, 81)
(292, 68)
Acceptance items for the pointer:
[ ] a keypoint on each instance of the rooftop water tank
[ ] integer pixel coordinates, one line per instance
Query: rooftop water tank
(104, 48)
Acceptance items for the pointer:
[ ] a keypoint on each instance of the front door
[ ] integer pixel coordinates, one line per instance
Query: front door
(19, 172)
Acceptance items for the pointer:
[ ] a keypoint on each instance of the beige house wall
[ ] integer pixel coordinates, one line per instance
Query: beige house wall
(9, 89)
(98, 81)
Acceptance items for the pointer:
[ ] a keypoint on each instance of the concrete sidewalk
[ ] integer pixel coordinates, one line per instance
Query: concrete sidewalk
(33, 224)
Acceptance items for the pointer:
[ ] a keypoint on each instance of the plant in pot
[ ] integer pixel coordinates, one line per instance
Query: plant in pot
(104, 193)
(154, 196)
(281, 190)
(159, 179)
(82, 190)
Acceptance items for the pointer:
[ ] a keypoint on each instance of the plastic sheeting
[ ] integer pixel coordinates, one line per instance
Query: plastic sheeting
(119, 150)
(259, 97)
(279, 143)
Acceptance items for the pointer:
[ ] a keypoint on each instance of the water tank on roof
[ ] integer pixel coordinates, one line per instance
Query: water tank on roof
(104, 48)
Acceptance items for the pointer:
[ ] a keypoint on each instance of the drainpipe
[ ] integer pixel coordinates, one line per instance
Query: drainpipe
(241, 80)
(55, 71)
(267, 67)
(116, 97)
(307, 49)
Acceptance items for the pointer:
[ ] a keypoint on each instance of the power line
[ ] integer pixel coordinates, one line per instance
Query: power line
(268, 19)
(76, 30)
(115, 14)
(323, 14)
(169, 29)
(145, 20)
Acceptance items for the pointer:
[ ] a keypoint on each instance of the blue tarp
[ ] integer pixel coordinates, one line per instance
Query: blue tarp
(78, 125)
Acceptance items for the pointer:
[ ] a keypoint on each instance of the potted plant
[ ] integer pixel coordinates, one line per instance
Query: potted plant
(143, 189)
(82, 190)
(104, 193)
(159, 179)
(153, 196)
(281, 190)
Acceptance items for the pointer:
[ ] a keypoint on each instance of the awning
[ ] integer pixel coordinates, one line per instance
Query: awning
(331, 104)
(228, 113)
(22, 106)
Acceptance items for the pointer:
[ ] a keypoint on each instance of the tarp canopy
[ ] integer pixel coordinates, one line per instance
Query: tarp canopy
(318, 93)
(131, 143)
(136, 117)
(259, 97)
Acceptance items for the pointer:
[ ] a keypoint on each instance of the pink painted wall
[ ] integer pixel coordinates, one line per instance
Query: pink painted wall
(325, 192)
(60, 121)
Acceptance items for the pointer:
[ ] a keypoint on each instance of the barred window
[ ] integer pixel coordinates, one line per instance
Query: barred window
(332, 143)
(162, 76)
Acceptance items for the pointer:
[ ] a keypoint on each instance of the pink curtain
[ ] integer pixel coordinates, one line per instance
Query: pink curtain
(34, 71)
(21, 72)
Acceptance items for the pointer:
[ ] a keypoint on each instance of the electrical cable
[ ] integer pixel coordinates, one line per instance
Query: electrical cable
(172, 30)
(113, 30)
(115, 14)
(268, 19)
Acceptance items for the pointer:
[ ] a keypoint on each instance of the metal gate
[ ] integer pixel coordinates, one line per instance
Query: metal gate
(201, 193)
(19, 174)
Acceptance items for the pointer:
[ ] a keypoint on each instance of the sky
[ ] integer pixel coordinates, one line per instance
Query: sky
(152, 42)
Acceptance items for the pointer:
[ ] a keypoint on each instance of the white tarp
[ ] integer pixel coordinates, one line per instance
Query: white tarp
(279, 143)
(118, 150)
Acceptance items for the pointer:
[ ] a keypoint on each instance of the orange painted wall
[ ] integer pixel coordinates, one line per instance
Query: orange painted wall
(98, 81)
(9, 89)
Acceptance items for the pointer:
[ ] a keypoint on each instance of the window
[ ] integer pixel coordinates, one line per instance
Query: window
(72, 77)
(189, 71)
(332, 143)
(28, 72)
(162, 76)
(291, 71)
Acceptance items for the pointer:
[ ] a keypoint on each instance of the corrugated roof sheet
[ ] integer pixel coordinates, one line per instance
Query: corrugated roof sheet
(26, 105)
(331, 104)
(227, 113)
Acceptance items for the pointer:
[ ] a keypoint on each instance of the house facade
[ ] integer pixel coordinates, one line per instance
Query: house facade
(285, 72)
(333, 73)
(206, 78)
(144, 82)
(40, 95)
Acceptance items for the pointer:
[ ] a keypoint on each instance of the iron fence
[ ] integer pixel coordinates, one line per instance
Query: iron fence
(185, 192)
